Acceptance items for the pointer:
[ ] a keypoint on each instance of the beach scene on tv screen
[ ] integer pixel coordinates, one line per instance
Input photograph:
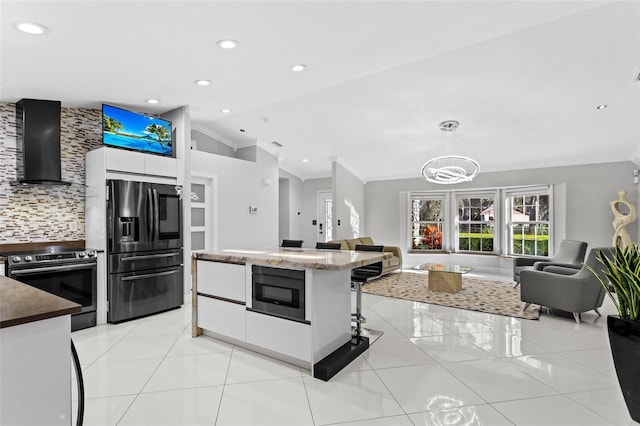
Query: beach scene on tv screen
(126, 129)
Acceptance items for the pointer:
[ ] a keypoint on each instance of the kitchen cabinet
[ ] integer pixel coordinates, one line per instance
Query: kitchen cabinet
(232, 298)
(223, 280)
(139, 163)
(35, 340)
(221, 297)
(292, 339)
(222, 317)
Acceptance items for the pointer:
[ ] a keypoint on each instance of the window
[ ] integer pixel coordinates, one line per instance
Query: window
(476, 223)
(514, 221)
(427, 222)
(528, 223)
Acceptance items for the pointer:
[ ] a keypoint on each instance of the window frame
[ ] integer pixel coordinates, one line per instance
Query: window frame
(431, 195)
(502, 234)
(529, 191)
(479, 194)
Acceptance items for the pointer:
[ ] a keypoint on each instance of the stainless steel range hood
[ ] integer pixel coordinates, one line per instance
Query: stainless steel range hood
(38, 143)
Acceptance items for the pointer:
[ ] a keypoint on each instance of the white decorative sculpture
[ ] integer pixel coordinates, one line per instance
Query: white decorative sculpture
(621, 220)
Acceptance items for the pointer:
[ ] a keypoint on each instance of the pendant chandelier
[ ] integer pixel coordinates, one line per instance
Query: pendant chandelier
(448, 169)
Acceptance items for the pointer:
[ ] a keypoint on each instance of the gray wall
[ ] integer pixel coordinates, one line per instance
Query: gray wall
(588, 188)
(309, 196)
(348, 204)
(211, 145)
(249, 153)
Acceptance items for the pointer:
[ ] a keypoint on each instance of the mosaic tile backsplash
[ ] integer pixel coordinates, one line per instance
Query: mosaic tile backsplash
(47, 213)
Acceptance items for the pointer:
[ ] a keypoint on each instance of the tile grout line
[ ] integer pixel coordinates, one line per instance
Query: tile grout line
(306, 392)
(224, 384)
(150, 376)
(95, 361)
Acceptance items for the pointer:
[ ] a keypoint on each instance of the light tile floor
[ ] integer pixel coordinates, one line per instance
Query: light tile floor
(433, 365)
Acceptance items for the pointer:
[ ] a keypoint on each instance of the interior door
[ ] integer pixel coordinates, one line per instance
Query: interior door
(202, 213)
(324, 228)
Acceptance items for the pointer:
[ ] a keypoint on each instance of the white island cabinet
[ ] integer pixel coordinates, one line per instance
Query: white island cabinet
(309, 326)
(35, 356)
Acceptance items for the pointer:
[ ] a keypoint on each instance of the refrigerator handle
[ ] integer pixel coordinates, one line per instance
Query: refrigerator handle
(156, 216)
(150, 216)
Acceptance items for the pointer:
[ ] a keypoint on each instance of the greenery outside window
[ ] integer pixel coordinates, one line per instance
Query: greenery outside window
(508, 220)
(476, 223)
(529, 223)
(427, 222)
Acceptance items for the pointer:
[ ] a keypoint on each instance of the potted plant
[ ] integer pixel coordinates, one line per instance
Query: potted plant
(621, 281)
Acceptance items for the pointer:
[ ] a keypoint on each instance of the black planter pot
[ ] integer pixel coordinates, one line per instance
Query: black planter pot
(624, 338)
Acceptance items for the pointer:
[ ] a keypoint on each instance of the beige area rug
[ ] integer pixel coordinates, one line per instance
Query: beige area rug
(494, 297)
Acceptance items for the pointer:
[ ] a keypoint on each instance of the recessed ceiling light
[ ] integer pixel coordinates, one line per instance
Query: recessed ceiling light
(152, 101)
(305, 160)
(298, 67)
(225, 110)
(202, 82)
(227, 44)
(603, 106)
(31, 28)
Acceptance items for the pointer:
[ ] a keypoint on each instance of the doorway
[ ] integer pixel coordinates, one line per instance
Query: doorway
(325, 216)
(203, 214)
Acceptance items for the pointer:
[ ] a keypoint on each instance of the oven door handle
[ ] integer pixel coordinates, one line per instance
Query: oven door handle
(52, 268)
(157, 274)
(149, 256)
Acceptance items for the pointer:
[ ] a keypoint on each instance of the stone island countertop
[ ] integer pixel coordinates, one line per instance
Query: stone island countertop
(21, 303)
(336, 260)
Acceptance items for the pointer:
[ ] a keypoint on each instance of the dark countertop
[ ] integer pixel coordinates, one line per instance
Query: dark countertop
(21, 303)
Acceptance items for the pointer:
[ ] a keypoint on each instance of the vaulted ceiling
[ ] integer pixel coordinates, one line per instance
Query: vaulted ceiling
(524, 78)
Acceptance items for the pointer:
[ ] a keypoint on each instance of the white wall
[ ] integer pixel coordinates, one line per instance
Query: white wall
(309, 196)
(588, 217)
(181, 121)
(283, 209)
(348, 204)
(241, 184)
(290, 207)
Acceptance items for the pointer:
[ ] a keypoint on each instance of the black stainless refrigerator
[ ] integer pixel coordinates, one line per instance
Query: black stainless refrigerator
(144, 249)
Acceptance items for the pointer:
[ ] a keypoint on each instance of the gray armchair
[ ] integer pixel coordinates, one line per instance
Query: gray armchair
(570, 254)
(564, 288)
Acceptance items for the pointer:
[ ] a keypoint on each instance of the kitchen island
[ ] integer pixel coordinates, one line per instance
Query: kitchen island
(35, 355)
(290, 303)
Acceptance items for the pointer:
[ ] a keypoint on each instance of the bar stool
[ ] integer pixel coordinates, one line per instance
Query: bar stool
(327, 246)
(291, 243)
(359, 276)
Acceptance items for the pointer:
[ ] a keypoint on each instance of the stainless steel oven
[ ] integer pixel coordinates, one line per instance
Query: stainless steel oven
(69, 274)
(278, 292)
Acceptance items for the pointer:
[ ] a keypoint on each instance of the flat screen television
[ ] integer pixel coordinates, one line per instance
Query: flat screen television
(136, 131)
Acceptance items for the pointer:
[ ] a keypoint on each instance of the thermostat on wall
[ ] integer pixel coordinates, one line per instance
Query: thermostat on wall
(253, 209)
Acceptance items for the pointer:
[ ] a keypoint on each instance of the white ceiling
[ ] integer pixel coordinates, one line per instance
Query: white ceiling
(523, 77)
